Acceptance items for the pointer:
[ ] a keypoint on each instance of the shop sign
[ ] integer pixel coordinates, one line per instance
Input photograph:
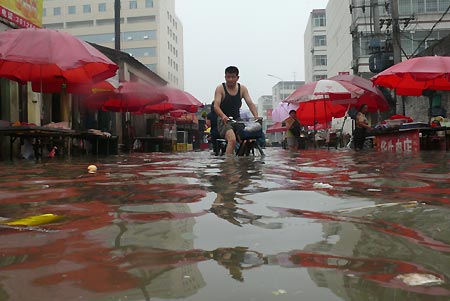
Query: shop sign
(405, 142)
(24, 13)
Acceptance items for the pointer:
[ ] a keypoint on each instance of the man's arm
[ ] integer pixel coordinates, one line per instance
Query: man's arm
(249, 101)
(218, 95)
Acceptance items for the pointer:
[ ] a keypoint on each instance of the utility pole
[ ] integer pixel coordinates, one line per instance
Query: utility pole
(117, 25)
(396, 48)
(376, 18)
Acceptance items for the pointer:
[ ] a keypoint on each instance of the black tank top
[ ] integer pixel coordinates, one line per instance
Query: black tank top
(231, 104)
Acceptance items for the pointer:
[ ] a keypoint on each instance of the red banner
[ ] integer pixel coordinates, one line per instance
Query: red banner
(405, 142)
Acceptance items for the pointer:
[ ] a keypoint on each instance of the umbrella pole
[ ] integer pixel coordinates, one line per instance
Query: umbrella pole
(314, 124)
(341, 133)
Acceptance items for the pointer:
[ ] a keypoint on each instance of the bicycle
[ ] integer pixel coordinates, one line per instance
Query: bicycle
(247, 135)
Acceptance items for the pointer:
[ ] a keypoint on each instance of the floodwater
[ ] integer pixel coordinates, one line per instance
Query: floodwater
(318, 225)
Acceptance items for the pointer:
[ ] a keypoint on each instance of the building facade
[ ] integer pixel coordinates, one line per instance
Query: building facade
(150, 30)
(315, 43)
(360, 35)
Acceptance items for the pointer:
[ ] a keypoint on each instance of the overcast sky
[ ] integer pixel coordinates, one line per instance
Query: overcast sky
(260, 37)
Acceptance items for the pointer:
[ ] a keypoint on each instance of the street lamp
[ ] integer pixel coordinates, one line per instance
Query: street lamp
(282, 85)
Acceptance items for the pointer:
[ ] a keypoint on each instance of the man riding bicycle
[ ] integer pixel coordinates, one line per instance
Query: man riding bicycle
(227, 102)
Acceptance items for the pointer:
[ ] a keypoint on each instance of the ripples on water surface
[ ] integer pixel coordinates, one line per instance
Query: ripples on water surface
(323, 225)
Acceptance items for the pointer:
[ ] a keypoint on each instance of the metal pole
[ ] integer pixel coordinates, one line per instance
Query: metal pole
(396, 48)
(117, 24)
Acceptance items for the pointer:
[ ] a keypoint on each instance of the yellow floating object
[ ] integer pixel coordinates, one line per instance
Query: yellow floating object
(34, 220)
(92, 169)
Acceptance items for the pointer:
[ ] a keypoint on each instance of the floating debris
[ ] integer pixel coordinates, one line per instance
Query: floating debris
(414, 279)
(92, 169)
(322, 185)
(279, 292)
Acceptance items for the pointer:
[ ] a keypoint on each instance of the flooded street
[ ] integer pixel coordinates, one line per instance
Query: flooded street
(319, 225)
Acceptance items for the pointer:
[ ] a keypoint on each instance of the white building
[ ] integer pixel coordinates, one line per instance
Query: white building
(150, 30)
(354, 37)
(315, 43)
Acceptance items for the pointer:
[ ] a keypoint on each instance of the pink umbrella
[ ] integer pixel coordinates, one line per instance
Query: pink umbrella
(281, 112)
(56, 59)
(372, 96)
(324, 89)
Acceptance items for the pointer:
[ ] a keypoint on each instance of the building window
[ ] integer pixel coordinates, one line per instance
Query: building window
(71, 10)
(320, 40)
(87, 8)
(57, 11)
(319, 77)
(408, 7)
(102, 7)
(133, 4)
(148, 3)
(320, 60)
(44, 12)
(319, 20)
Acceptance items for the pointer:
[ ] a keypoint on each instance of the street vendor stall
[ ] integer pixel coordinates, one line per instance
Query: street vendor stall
(411, 138)
(40, 137)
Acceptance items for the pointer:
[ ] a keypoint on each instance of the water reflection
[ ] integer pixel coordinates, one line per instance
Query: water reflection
(322, 225)
(234, 179)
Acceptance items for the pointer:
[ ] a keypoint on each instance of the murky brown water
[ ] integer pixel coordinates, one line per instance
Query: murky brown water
(323, 225)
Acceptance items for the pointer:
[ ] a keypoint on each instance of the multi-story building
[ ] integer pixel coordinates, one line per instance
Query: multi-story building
(315, 43)
(150, 31)
(359, 39)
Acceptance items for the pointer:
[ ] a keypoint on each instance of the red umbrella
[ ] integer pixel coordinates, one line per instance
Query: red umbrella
(277, 127)
(325, 88)
(319, 111)
(372, 96)
(175, 99)
(413, 76)
(52, 57)
(129, 97)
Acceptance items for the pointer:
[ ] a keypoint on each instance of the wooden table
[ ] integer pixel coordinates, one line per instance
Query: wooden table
(154, 144)
(41, 135)
(104, 145)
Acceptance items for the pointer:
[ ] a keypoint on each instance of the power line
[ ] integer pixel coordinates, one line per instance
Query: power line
(431, 30)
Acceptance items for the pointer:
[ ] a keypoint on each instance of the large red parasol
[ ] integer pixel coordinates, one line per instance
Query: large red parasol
(51, 58)
(314, 112)
(372, 96)
(129, 97)
(277, 127)
(175, 99)
(325, 88)
(413, 76)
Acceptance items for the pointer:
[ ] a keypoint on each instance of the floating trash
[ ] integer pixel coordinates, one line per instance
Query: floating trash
(279, 292)
(322, 185)
(414, 279)
(34, 220)
(92, 169)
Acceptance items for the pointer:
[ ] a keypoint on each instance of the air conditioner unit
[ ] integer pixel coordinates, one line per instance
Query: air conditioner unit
(129, 38)
(145, 37)
(113, 39)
